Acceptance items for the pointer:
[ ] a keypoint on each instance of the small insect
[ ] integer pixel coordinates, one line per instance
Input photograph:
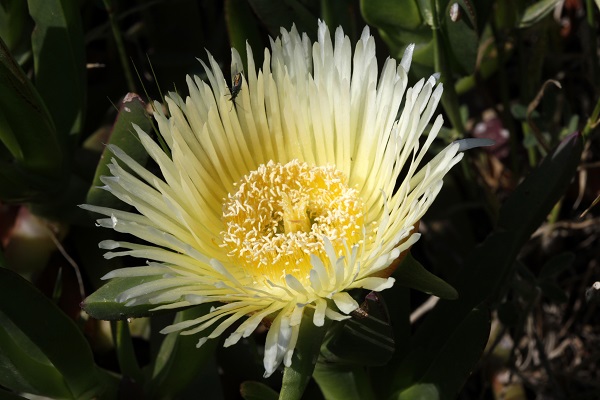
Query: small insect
(235, 88)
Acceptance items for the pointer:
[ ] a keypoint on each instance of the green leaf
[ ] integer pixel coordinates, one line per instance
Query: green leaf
(178, 361)
(412, 274)
(450, 362)
(462, 36)
(342, 13)
(132, 111)
(536, 12)
(402, 14)
(297, 376)
(242, 27)
(483, 275)
(420, 391)
(401, 23)
(6, 395)
(283, 14)
(31, 155)
(530, 203)
(343, 382)
(103, 304)
(252, 390)
(54, 333)
(23, 367)
(366, 339)
(59, 61)
(128, 364)
(557, 265)
(13, 23)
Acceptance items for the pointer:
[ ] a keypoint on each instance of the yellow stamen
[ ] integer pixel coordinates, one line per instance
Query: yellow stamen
(280, 214)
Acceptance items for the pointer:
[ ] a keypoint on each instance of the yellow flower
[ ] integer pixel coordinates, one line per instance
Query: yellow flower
(285, 200)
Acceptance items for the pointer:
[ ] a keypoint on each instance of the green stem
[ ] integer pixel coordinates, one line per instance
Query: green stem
(592, 40)
(120, 46)
(592, 121)
(125, 354)
(297, 376)
(450, 97)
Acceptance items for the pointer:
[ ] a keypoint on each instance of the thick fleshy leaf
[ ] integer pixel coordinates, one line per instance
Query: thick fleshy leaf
(102, 304)
(252, 390)
(366, 339)
(132, 111)
(403, 14)
(283, 14)
(297, 376)
(31, 156)
(178, 361)
(6, 395)
(59, 61)
(13, 23)
(461, 34)
(343, 382)
(451, 363)
(536, 12)
(485, 271)
(24, 368)
(412, 274)
(242, 27)
(398, 26)
(53, 333)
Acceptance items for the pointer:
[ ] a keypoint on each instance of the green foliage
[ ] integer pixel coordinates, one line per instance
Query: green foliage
(31, 151)
(50, 354)
(103, 304)
(56, 124)
(132, 111)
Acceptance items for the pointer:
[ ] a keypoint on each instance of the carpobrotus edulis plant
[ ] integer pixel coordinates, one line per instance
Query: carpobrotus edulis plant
(286, 200)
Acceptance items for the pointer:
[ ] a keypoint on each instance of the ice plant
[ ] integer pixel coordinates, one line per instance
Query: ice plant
(286, 201)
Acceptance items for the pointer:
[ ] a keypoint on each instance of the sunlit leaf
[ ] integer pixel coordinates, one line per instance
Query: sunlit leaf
(103, 304)
(536, 12)
(343, 382)
(132, 111)
(403, 14)
(412, 274)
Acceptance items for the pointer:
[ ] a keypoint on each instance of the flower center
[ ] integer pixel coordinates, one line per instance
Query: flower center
(281, 213)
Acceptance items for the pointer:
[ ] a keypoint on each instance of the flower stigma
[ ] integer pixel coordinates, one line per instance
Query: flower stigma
(280, 215)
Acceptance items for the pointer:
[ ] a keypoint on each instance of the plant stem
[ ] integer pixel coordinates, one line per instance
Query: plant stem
(592, 121)
(449, 98)
(297, 376)
(120, 46)
(592, 40)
